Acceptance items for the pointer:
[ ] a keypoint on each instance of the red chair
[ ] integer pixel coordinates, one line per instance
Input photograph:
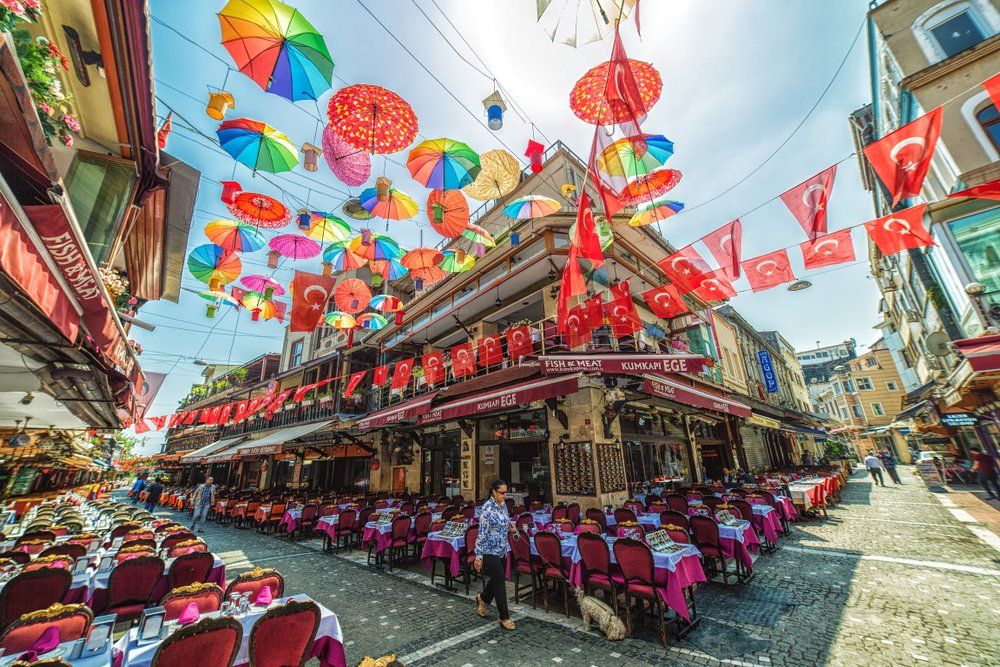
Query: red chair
(449, 512)
(592, 528)
(190, 568)
(560, 512)
(520, 550)
(711, 502)
(676, 533)
(284, 634)
(595, 564)
(677, 503)
(364, 516)
(208, 597)
(381, 504)
(676, 518)
(635, 506)
(421, 526)
(308, 519)
(211, 642)
(277, 514)
(597, 515)
(32, 547)
(36, 535)
(573, 513)
(550, 552)
(131, 586)
(74, 551)
(190, 546)
(399, 545)
(636, 563)
(173, 539)
(256, 579)
(535, 506)
(343, 529)
(19, 557)
(31, 591)
(706, 537)
(72, 620)
(524, 521)
(407, 508)
(623, 514)
(468, 513)
(58, 561)
(468, 556)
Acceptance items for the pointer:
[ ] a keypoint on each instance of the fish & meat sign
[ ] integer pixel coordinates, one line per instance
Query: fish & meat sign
(622, 364)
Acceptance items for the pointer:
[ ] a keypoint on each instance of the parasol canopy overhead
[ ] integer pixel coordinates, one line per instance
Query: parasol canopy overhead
(396, 206)
(341, 258)
(372, 118)
(428, 275)
(277, 47)
(218, 297)
(389, 269)
(375, 246)
(327, 228)
(352, 208)
(352, 295)
(341, 320)
(372, 321)
(532, 206)
(352, 166)
(443, 164)
(386, 303)
(479, 236)
(589, 102)
(421, 258)
(259, 306)
(213, 265)
(648, 188)
(294, 246)
(263, 284)
(259, 210)
(654, 211)
(499, 174)
(632, 157)
(257, 145)
(576, 22)
(457, 261)
(234, 236)
(448, 212)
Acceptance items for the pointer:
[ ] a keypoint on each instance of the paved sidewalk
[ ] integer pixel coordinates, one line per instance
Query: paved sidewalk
(892, 577)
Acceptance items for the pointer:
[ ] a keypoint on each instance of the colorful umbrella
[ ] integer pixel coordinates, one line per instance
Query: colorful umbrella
(389, 269)
(216, 299)
(263, 284)
(257, 145)
(352, 208)
(375, 246)
(327, 228)
(421, 258)
(259, 306)
(294, 246)
(340, 320)
(352, 295)
(386, 303)
(448, 212)
(457, 261)
(372, 118)
(352, 166)
(213, 265)
(397, 206)
(648, 188)
(234, 236)
(342, 258)
(499, 174)
(573, 22)
(429, 275)
(479, 236)
(532, 206)
(443, 164)
(588, 98)
(654, 211)
(372, 321)
(276, 47)
(259, 210)
(635, 156)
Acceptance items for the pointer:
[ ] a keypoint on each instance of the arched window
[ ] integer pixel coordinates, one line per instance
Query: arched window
(989, 120)
(952, 26)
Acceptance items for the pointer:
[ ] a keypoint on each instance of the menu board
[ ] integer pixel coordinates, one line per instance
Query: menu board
(574, 468)
(612, 468)
(20, 485)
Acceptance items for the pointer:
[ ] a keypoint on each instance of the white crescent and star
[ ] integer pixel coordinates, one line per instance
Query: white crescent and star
(315, 305)
(722, 242)
(815, 203)
(903, 224)
(911, 141)
(685, 271)
(819, 245)
(768, 272)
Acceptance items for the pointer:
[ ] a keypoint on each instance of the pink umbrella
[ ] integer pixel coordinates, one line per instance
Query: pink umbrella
(294, 246)
(263, 284)
(350, 165)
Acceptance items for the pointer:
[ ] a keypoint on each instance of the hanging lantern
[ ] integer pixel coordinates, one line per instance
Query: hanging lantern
(534, 153)
(311, 155)
(272, 259)
(304, 219)
(268, 292)
(515, 238)
(398, 317)
(211, 310)
(327, 269)
(215, 284)
(366, 236)
(376, 280)
(495, 107)
(229, 191)
(568, 191)
(255, 314)
(480, 250)
(218, 104)
(438, 210)
(382, 185)
(418, 284)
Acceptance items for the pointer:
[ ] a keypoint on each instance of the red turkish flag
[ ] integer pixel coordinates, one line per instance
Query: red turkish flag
(141, 427)
(808, 200)
(434, 371)
(685, 268)
(572, 284)
(401, 374)
(463, 361)
(829, 249)
(901, 159)
(992, 86)
(665, 302)
(208, 415)
(276, 402)
(580, 332)
(725, 244)
(902, 230)
(621, 312)
(301, 392)
(607, 185)
(585, 237)
(767, 271)
(380, 375)
(158, 421)
(490, 351)
(242, 411)
(189, 419)
(989, 190)
(175, 419)
(224, 413)
(593, 310)
(621, 92)
(353, 381)
(310, 294)
(714, 286)
(519, 342)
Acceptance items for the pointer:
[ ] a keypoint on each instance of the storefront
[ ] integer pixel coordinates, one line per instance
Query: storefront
(519, 443)
(440, 458)
(654, 443)
(712, 438)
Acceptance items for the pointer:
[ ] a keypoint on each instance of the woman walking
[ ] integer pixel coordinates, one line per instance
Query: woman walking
(491, 553)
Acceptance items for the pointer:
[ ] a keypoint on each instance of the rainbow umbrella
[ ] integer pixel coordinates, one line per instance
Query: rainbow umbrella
(234, 236)
(632, 157)
(259, 306)
(443, 164)
(654, 211)
(216, 299)
(372, 321)
(532, 206)
(375, 246)
(389, 269)
(457, 261)
(264, 284)
(397, 206)
(294, 246)
(421, 258)
(214, 265)
(342, 258)
(327, 228)
(479, 236)
(277, 47)
(257, 145)
(386, 303)
(341, 320)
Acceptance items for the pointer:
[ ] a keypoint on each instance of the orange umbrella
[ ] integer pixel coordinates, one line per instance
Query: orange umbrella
(352, 295)
(428, 275)
(421, 258)
(649, 187)
(448, 212)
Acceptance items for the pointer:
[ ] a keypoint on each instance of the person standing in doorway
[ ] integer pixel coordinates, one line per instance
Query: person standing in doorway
(153, 492)
(986, 466)
(874, 465)
(889, 463)
(203, 499)
(491, 553)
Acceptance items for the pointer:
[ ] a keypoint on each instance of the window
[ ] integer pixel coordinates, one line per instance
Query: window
(952, 26)
(836, 388)
(99, 187)
(957, 33)
(871, 362)
(843, 413)
(856, 409)
(989, 119)
(978, 239)
(849, 385)
(296, 354)
(877, 410)
(891, 386)
(865, 384)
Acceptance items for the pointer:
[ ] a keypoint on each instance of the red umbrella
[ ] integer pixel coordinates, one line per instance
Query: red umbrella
(428, 275)
(372, 118)
(649, 187)
(421, 258)
(259, 210)
(352, 295)
(448, 212)
(589, 102)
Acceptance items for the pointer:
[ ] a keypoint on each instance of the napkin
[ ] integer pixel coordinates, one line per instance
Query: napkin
(190, 614)
(47, 641)
(264, 597)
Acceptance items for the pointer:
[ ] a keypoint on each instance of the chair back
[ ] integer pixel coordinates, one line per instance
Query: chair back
(594, 555)
(71, 620)
(623, 514)
(658, 507)
(252, 507)
(675, 518)
(471, 535)
(523, 521)
(520, 548)
(345, 520)
(364, 516)
(211, 642)
(745, 509)
(57, 560)
(400, 530)
(573, 512)
(381, 504)
(36, 535)
(704, 530)
(74, 551)
(678, 535)
(190, 568)
(636, 562)
(173, 539)
(458, 499)
(253, 581)
(19, 557)
(31, 591)
(422, 524)
(449, 512)
(469, 513)
(326, 509)
(711, 502)
(208, 597)
(309, 513)
(140, 542)
(407, 508)
(592, 528)
(635, 506)
(535, 506)
(560, 513)
(677, 503)
(597, 515)
(278, 511)
(132, 582)
(284, 634)
(549, 549)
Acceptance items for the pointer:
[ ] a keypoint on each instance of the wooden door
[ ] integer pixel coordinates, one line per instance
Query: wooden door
(398, 480)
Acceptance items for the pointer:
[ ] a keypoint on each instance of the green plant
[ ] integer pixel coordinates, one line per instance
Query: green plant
(239, 375)
(220, 384)
(13, 12)
(40, 60)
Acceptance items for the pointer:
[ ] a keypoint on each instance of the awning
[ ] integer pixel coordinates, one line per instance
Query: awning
(911, 411)
(983, 353)
(397, 413)
(216, 446)
(919, 393)
(272, 442)
(682, 393)
(760, 420)
(174, 456)
(805, 430)
(509, 397)
(622, 364)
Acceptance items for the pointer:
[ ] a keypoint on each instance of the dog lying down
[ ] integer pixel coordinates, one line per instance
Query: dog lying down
(594, 610)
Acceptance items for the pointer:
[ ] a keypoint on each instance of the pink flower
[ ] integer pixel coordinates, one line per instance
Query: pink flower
(46, 109)
(14, 6)
(132, 301)
(32, 4)
(67, 139)
(71, 122)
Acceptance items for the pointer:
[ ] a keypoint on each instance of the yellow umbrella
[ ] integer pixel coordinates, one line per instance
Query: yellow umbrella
(499, 174)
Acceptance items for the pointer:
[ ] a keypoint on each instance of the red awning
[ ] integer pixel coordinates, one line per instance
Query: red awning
(397, 413)
(983, 353)
(622, 364)
(698, 398)
(498, 399)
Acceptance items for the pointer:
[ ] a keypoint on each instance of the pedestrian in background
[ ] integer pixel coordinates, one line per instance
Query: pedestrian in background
(874, 465)
(889, 463)
(140, 484)
(986, 466)
(153, 492)
(203, 498)
(491, 553)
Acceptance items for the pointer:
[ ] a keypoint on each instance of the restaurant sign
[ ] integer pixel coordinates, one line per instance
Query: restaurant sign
(759, 420)
(263, 450)
(520, 394)
(767, 367)
(959, 419)
(622, 364)
(673, 391)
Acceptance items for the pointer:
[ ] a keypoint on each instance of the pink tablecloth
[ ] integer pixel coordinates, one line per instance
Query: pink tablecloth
(768, 524)
(290, 521)
(444, 550)
(382, 537)
(742, 549)
(787, 508)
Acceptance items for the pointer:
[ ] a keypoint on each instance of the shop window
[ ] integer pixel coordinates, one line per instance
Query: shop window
(99, 187)
(978, 239)
(877, 409)
(530, 425)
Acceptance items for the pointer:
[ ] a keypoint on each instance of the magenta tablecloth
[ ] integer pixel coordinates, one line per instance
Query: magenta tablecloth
(787, 509)
(769, 525)
(289, 522)
(381, 539)
(444, 550)
(329, 652)
(732, 548)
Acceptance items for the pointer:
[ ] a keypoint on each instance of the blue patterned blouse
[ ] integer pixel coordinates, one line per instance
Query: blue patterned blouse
(493, 523)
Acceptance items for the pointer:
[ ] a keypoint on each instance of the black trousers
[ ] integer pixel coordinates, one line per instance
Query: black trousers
(893, 474)
(877, 475)
(990, 480)
(495, 583)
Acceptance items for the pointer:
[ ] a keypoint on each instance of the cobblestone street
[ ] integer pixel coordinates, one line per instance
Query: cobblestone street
(894, 576)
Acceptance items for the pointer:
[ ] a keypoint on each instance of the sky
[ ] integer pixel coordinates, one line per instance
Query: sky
(738, 78)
